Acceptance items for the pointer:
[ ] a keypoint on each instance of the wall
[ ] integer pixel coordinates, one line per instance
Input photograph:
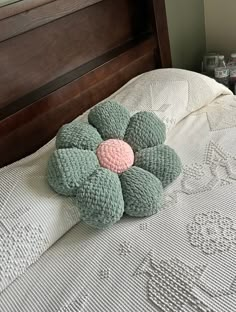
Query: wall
(220, 25)
(187, 32)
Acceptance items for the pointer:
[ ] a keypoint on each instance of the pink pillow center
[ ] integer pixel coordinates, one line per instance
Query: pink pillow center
(115, 155)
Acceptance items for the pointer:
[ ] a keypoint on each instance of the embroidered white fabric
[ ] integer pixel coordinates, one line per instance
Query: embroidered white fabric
(181, 259)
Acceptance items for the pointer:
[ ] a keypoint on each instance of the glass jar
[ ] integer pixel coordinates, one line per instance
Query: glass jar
(232, 68)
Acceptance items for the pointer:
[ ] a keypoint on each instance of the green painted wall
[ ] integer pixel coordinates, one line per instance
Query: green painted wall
(186, 24)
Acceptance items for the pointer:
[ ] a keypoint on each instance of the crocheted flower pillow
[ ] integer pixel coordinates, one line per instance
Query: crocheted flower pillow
(113, 164)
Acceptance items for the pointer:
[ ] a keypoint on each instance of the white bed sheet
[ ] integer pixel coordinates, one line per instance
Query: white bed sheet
(33, 216)
(181, 259)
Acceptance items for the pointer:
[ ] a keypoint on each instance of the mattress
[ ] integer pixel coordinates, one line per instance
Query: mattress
(180, 259)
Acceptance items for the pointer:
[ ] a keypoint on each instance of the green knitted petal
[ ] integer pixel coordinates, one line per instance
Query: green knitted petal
(100, 199)
(110, 119)
(145, 130)
(78, 134)
(162, 161)
(142, 192)
(69, 168)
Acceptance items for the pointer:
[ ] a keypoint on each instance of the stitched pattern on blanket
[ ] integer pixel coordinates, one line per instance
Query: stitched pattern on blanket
(218, 169)
(125, 248)
(143, 226)
(212, 233)
(164, 107)
(104, 273)
(156, 97)
(221, 114)
(170, 284)
(76, 305)
(222, 119)
(20, 246)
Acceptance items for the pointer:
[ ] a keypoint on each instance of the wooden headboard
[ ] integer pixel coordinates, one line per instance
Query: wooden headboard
(60, 57)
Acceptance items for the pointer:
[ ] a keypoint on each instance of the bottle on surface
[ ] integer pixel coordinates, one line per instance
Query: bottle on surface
(232, 69)
(222, 71)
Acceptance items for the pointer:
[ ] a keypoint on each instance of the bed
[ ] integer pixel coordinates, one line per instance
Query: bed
(180, 259)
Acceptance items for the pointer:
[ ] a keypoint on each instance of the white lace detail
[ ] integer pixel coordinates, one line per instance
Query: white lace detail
(212, 233)
(20, 246)
(170, 284)
(217, 169)
(76, 305)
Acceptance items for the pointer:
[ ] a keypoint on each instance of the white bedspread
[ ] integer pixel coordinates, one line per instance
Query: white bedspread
(181, 259)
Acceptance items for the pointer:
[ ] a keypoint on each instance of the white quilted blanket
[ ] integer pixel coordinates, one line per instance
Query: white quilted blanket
(181, 259)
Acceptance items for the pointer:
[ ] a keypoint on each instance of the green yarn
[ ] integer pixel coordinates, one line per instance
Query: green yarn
(100, 199)
(162, 161)
(145, 130)
(69, 168)
(142, 192)
(78, 134)
(110, 119)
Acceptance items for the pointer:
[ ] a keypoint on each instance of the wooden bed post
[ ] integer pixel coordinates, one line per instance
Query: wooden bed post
(160, 27)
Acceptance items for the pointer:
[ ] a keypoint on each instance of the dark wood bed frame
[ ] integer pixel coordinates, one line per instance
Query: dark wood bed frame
(60, 57)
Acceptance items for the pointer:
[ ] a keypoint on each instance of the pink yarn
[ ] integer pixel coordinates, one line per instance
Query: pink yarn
(115, 155)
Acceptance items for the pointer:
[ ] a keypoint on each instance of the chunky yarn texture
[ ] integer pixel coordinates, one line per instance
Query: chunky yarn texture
(114, 164)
